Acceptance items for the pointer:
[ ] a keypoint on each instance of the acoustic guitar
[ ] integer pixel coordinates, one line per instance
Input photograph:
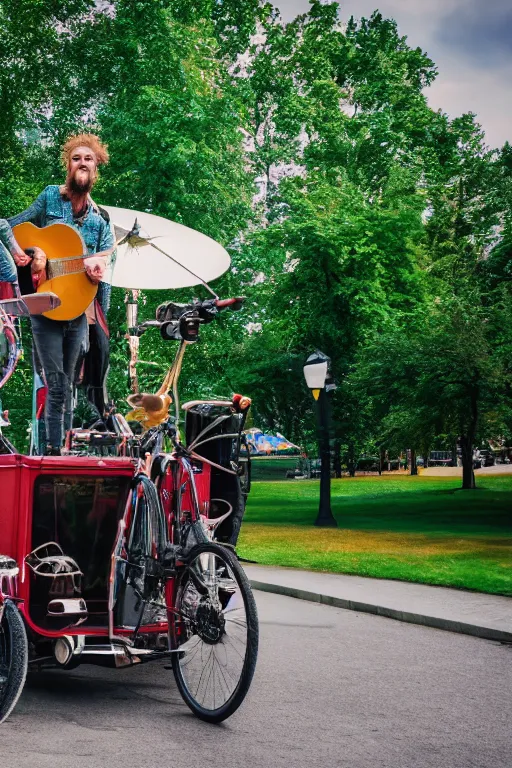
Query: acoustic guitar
(65, 251)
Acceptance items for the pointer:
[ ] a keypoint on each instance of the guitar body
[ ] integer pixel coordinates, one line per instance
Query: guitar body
(64, 248)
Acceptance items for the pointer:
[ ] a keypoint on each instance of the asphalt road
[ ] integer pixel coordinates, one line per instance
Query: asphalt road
(332, 688)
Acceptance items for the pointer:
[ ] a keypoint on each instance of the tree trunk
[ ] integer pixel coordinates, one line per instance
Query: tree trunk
(468, 474)
(467, 441)
(351, 462)
(454, 455)
(381, 460)
(414, 468)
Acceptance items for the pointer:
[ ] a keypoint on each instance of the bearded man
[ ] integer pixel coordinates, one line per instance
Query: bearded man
(59, 344)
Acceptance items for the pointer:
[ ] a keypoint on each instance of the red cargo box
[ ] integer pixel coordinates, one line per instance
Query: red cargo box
(18, 474)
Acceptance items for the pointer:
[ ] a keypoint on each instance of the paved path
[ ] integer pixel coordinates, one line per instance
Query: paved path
(470, 613)
(332, 689)
(496, 469)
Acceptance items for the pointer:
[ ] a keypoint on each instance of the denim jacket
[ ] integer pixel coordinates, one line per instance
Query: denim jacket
(51, 206)
(8, 272)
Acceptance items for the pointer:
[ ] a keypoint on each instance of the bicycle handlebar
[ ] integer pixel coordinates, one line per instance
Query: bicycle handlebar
(181, 321)
(206, 309)
(222, 303)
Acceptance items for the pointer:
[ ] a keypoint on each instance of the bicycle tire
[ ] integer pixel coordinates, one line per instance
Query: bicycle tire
(13, 658)
(224, 559)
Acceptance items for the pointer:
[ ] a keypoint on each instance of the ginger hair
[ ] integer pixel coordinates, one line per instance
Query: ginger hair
(85, 140)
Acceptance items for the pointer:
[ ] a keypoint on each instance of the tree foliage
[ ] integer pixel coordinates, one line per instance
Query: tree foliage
(381, 232)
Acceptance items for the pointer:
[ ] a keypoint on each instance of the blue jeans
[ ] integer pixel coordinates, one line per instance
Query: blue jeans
(59, 345)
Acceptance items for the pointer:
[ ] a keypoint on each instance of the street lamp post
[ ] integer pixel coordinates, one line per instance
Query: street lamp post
(319, 381)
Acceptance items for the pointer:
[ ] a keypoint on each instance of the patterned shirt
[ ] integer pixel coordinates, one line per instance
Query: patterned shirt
(53, 205)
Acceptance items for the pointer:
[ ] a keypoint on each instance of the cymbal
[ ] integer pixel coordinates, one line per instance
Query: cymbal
(161, 253)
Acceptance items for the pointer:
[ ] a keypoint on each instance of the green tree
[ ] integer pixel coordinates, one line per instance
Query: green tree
(35, 37)
(338, 256)
(173, 131)
(440, 373)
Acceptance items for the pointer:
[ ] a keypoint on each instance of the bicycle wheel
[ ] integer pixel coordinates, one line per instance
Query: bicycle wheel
(13, 658)
(216, 630)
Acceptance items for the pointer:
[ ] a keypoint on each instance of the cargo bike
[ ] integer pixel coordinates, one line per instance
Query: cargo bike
(121, 551)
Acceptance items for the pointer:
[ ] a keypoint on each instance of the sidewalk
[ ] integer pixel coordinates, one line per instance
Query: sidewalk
(496, 469)
(471, 613)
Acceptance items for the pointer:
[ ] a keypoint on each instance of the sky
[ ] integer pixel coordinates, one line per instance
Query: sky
(470, 41)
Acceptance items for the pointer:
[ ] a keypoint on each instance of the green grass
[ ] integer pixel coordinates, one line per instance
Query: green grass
(422, 529)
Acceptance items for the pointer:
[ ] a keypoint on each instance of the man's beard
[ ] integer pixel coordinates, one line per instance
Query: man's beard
(80, 187)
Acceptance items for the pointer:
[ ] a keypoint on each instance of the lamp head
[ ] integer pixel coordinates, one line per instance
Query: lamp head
(316, 370)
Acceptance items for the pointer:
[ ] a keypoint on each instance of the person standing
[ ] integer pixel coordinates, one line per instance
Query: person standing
(60, 344)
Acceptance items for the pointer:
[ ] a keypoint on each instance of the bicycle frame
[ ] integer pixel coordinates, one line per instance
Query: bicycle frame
(191, 471)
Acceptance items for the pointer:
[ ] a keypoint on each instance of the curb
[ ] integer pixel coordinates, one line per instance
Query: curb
(463, 628)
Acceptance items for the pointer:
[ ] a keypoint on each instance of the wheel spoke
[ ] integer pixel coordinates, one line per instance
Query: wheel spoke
(240, 655)
(229, 689)
(232, 621)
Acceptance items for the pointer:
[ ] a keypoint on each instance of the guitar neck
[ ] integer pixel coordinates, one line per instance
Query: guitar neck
(65, 266)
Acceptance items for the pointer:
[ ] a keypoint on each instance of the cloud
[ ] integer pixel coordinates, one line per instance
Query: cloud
(469, 40)
(477, 91)
(481, 31)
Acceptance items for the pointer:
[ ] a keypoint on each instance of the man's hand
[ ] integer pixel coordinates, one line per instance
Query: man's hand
(95, 268)
(21, 259)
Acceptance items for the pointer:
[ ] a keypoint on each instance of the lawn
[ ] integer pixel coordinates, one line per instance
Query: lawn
(422, 529)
